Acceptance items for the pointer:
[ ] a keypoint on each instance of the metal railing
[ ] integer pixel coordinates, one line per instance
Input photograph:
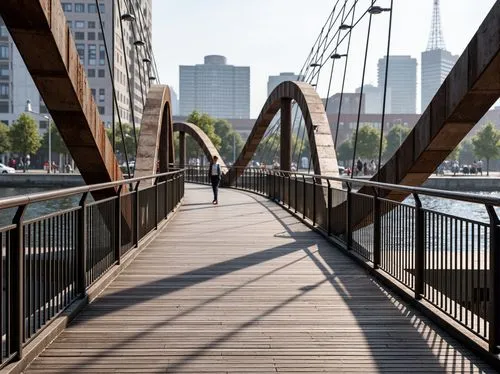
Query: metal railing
(451, 262)
(48, 262)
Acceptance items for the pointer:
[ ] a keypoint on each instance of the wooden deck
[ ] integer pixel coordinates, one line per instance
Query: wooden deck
(245, 287)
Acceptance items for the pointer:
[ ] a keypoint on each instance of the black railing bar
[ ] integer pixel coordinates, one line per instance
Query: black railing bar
(106, 200)
(51, 215)
(12, 202)
(7, 228)
(396, 187)
(463, 219)
(410, 189)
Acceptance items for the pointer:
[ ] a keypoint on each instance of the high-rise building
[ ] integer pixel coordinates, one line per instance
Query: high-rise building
(402, 82)
(275, 80)
(436, 61)
(216, 88)
(131, 51)
(350, 103)
(374, 97)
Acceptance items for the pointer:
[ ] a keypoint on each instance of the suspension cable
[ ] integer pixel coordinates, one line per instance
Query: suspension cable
(385, 91)
(131, 97)
(361, 95)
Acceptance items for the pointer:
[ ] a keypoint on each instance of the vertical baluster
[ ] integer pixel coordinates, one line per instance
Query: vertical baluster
(16, 250)
(419, 247)
(81, 247)
(118, 225)
(376, 229)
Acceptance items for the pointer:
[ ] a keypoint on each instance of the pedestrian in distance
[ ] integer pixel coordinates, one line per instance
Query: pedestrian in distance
(214, 174)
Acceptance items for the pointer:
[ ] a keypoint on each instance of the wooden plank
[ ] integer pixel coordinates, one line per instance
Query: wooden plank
(244, 287)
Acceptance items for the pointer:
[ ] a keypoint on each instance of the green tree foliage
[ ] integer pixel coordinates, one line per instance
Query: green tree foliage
(24, 136)
(395, 138)
(128, 140)
(455, 154)
(487, 144)
(269, 149)
(224, 130)
(207, 124)
(4, 138)
(344, 151)
(368, 142)
(57, 143)
(466, 155)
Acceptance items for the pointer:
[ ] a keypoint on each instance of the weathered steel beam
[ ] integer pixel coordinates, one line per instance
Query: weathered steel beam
(40, 32)
(156, 143)
(320, 139)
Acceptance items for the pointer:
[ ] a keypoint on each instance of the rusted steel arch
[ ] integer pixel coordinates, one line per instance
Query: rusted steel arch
(155, 144)
(470, 89)
(320, 138)
(465, 96)
(199, 137)
(40, 32)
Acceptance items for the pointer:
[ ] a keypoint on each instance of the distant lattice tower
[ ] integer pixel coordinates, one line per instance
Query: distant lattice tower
(436, 40)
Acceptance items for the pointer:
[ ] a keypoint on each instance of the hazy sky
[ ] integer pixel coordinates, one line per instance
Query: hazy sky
(273, 36)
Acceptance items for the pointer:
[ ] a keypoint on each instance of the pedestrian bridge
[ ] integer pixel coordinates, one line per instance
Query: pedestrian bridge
(247, 287)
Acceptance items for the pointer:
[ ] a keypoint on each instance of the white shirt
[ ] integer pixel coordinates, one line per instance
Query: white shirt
(215, 169)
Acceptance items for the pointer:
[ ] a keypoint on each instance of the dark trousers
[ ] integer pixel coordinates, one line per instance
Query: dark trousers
(215, 185)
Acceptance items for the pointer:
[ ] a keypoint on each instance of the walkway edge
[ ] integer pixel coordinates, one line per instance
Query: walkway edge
(407, 296)
(33, 349)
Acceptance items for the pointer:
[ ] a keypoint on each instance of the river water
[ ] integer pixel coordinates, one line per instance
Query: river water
(475, 212)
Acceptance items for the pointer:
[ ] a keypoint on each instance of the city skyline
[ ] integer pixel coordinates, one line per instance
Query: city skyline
(253, 41)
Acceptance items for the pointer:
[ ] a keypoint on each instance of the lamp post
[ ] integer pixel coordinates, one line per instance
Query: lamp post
(29, 109)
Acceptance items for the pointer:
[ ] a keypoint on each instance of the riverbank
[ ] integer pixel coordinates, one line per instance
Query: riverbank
(23, 180)
(62, 180)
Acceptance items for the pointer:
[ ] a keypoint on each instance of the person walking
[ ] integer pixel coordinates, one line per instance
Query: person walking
(215, 175)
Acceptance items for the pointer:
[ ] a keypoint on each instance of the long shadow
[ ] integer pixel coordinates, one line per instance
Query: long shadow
(338, 271)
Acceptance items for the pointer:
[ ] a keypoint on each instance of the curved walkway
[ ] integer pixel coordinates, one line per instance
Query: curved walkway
(245, 287)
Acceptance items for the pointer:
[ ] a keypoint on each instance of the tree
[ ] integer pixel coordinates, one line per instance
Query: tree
(224, 130)
(466, 155)
(24, 135)
(368, 142)
(487, 144)
(4, 138)
(344, 151)
(395, 138)
(57, 143)
(207, 124)
(128, 137)
(455, 154)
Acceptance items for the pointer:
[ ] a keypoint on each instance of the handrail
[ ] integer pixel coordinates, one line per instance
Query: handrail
(471, 198)
(12, 202)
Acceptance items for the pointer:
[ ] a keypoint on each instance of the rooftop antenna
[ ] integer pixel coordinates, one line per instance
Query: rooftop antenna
(436, 40)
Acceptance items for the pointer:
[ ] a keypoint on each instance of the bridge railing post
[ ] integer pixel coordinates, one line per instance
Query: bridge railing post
(314, 202)
(118, 226)
(329, 208)
(137, 215)
(349, 217)
(296, 181)
(304, 197)
(376, 229)
(17, 256)
(156, 203)
(82, 247)
(494, 282)
(419, 247)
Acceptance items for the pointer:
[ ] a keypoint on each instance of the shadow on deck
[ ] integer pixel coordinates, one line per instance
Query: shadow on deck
(245, 287)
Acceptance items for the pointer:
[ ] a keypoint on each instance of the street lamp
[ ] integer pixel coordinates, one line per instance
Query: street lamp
(29, 109)
(375, 9)
(336, 56)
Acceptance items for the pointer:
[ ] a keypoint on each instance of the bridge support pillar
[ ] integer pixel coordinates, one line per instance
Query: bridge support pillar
(182, 149)
(286, 134)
